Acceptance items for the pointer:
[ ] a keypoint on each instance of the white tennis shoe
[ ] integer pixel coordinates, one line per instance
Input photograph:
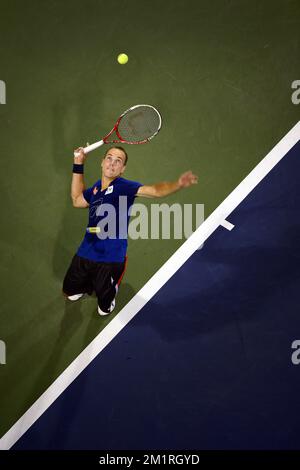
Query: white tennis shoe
(111, 308)
(75, 297)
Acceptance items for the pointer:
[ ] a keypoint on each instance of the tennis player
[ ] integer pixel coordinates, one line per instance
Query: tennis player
(99, 264)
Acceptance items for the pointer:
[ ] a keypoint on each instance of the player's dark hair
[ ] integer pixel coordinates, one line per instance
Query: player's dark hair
(119, 148)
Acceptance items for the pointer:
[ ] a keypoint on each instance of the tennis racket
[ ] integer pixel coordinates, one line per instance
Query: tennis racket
(137, 125)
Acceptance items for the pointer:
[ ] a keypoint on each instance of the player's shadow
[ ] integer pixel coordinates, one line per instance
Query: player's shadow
(97, 323)
(65, 325)
(254, 274)
(40, 347)
(126, 293)
(68, 327)
(71, 321)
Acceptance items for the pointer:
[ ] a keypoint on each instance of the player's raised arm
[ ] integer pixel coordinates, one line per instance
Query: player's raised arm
(77, 186)
(165, 188)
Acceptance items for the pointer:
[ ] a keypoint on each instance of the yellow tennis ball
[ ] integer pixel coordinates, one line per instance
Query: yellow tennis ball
(122, 58)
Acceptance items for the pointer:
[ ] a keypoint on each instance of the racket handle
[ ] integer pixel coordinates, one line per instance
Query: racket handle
(94, 146)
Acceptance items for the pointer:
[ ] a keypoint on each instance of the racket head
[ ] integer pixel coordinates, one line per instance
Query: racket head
(137, 125)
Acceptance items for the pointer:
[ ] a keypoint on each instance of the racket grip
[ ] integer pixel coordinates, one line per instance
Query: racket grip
(94, 146)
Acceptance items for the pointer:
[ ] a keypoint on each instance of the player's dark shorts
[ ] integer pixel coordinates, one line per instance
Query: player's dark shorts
(86, 276)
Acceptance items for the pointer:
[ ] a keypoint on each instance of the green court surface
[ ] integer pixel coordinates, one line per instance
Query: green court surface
(219, 71)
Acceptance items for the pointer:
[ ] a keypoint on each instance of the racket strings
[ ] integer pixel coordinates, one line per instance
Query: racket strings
(138, 124)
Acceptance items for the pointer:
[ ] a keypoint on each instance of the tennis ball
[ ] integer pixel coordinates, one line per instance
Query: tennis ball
(93, 230)
(122, 58)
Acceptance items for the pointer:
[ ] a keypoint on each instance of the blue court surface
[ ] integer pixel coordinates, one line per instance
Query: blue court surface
(206, 364)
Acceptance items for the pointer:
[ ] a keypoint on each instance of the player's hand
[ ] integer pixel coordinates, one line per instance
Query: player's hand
(79, 156)
(187, 179)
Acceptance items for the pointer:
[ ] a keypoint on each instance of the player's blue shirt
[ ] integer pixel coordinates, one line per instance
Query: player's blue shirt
(113, 248)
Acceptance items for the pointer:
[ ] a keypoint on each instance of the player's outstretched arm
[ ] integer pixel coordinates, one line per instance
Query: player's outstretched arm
(165, 188)
(77, 186)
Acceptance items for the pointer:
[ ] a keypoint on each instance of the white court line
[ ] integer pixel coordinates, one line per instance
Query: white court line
(151, 288)
(227, 225)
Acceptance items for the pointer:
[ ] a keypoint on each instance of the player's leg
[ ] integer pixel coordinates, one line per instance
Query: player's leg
(77, 281)
(106, 284)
